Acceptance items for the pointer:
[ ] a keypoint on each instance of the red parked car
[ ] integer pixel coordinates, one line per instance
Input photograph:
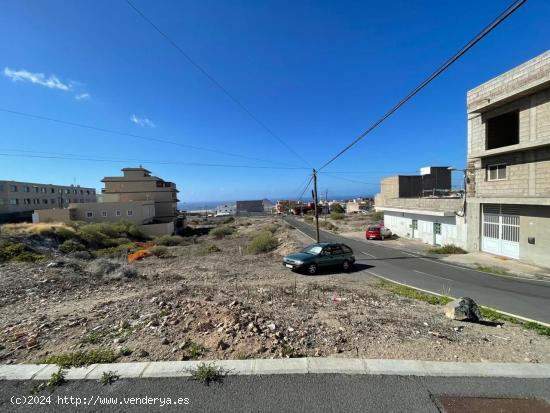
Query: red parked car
(377, 232)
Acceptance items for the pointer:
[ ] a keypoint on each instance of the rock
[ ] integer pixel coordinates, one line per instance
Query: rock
(222, 345)
(164, 341)
(142, 353)
(271, 326)
(463, 309)
(54, 264)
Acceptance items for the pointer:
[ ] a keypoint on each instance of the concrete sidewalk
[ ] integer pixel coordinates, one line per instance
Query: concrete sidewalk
(307, 365)
(471, 260)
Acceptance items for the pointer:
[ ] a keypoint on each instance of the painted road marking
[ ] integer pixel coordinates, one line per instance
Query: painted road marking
(366, 253)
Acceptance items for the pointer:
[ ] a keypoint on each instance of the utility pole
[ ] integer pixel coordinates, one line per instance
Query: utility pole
(315, 200)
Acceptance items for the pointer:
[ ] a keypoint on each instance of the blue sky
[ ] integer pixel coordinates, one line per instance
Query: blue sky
(316, 72)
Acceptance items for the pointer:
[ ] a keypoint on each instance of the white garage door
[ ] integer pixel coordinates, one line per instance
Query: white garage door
(500, 230)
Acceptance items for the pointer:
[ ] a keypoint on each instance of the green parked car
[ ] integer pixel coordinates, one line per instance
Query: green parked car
(316, 256)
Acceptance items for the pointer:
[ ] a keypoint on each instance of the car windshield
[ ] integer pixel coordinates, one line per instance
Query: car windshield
(312, 249)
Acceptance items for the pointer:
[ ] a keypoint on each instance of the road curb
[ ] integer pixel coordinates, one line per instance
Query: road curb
(307, 365)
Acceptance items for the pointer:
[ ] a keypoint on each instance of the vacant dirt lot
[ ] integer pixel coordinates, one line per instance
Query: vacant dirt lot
(212, 299)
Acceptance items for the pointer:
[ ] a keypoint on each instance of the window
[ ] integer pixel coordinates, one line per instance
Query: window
(67, 191)
(502, 130)
(118, 213)
(26, 201)
(87, 192)
(437, 228)
(129, 212)
(13, 188)
(52, 190)
(496, 172)
(14, 201)
(104, 214)
(89, 214)
(43, 190)
(35, 189)
(81, 192)
(45, 201)
(27, 189)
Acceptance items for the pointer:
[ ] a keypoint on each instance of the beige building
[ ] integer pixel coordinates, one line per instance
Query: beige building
(136, 197)
(508, 171)
(137, 184)
(19, 199)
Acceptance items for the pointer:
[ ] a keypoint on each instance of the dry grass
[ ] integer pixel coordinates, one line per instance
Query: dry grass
(24, 228)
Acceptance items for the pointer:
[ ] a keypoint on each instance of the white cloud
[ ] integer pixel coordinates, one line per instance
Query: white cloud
(51, 82)
(82, 96)
(143, 122)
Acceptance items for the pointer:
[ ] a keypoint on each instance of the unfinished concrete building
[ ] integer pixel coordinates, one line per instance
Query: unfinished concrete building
(509, 163)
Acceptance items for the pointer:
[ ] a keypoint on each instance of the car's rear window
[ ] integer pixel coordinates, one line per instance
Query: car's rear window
(314, 249)
(373, 229)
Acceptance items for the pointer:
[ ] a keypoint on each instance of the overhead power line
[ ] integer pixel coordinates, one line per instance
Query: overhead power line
(214, 81)
(75, 157)
(491, 26)
(136, 136)
(305, 188)
(352, 180)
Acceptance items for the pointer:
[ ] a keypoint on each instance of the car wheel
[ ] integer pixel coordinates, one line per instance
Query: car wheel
(346, 265)
(312, 269)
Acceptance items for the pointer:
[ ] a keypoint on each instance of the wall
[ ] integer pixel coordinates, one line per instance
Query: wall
(535, 222)
(52, 215)
(430, 204)
(142, 212)
(155, 230)
(453, 229)
(534, 118)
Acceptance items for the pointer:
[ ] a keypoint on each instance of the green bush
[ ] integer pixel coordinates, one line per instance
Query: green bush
(15, 251)
(170, 240)
(263, 242)
(108, 234)
(220, 232)
(272, 228)
(448, 249)
(228, 220)
(160, 251)
(328, 225)
(71, 245)
(337, 216)
(118, 251)
(65, 233)
(339, 209)
(208, 249)
(377, 216)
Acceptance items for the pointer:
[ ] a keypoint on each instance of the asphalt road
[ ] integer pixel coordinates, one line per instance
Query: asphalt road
(276, 393)
(526, 298)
